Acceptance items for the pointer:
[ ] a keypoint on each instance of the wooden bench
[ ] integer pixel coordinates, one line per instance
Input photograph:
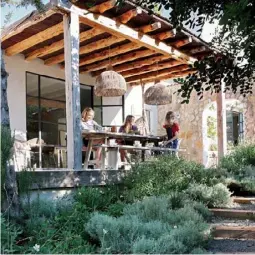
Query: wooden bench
(113, 151)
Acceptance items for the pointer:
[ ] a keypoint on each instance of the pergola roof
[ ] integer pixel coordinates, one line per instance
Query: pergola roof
(138, 45)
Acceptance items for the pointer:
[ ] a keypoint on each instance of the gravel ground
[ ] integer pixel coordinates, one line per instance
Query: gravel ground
(231, 246)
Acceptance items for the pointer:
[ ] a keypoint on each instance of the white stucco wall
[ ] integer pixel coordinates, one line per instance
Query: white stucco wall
(17, 67)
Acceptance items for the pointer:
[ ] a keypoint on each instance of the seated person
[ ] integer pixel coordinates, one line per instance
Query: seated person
(88, 123)
(129, 128)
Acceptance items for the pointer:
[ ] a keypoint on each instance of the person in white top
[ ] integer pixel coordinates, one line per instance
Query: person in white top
(88, 123)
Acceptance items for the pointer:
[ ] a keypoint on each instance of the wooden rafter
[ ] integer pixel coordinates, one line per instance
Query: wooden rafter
(165, 77)
(35, 39)
(136, 64)
(33, 21)
(149, 28)
(159, 73)
(181, 43)
(127, 16)
(46, 50)
(165, 35)
(118, 29)
(118, 60)
(196, 50)
(94, 57)
(116, 51)
(150, 68)
(103, 7)
(86, 49)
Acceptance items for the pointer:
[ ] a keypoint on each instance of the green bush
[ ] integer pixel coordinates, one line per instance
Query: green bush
(9, 236)
(7, 141)
(215, 196)
(98, 199)
(243, 155)
(239, 167)
(162, 176)
(57, 227)
(149, 226)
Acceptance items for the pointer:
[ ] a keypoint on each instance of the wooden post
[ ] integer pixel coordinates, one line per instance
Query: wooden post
(72, 85)
(221, 123)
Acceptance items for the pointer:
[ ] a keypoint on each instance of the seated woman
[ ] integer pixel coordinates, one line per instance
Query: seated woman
(128, 127)
(88, 123)
(172, 131)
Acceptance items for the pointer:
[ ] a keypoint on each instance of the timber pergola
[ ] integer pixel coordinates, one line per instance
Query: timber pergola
(85, 38)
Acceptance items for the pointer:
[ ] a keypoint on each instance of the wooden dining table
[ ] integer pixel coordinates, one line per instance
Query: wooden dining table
(91, 136)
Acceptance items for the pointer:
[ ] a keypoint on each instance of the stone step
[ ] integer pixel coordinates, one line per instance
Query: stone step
(244, 200)
(234, 232)
(234, 214)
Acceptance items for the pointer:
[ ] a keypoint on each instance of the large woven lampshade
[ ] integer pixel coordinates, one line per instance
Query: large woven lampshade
(110, 84)
(158, 94)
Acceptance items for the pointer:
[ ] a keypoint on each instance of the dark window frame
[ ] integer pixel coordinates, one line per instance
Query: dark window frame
(40, 121)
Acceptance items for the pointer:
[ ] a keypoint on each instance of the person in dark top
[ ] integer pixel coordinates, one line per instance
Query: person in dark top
(172, 131)
(130, 128)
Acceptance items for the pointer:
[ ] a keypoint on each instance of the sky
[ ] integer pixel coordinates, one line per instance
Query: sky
(18, 13)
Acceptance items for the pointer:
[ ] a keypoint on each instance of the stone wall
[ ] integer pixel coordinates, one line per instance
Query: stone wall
(190, 119)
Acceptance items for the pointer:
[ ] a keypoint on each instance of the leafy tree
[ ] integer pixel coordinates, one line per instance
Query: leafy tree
(8, 175)
(235, 42)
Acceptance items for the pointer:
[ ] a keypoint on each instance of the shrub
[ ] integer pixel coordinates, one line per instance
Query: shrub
(98, 199)
(9, 235)
(243, 155)
(56, 227)
(215, 196)
(162, 176)
(149, 226)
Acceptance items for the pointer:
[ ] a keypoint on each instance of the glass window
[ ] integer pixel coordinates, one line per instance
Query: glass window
(53, 89)
(46, 107)
(86, 97)
(32, 85)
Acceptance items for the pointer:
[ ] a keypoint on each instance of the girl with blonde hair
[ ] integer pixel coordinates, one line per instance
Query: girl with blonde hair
(88, 123)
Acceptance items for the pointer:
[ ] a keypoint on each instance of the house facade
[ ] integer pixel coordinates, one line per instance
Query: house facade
(198, 123)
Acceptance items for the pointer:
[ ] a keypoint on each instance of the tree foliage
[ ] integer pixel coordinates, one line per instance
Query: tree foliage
(234, 42)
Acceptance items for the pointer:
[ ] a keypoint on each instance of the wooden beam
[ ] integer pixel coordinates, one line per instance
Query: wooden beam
(165, 35)
(46, 103)
(150, 68)
(157, 74)
(86, 49)
(221, 122)
(72, 86)
(118, 29)
(195, 50)
(105, 54)
(149, 28)
(165, 77)
(119, 59)
(181, 43)
(46, 50)
(136, 64)
(103, 7)
(127, 16)
(6, 34)
(116, 51)
(35, 39)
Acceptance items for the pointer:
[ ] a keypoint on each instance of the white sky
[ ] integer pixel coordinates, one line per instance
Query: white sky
(18, 13)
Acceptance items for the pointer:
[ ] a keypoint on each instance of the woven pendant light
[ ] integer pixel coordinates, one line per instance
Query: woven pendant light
(158, 94)
(109, 83)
